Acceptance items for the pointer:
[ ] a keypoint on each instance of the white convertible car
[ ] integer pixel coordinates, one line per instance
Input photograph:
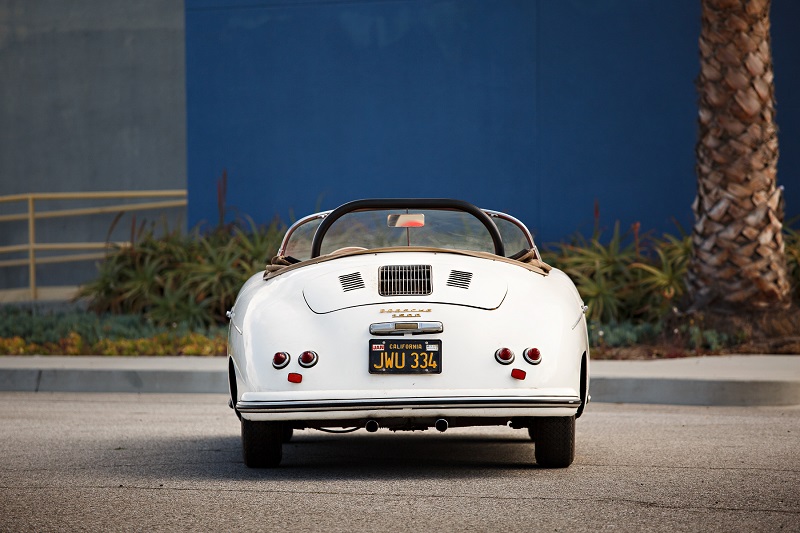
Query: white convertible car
(408, 314)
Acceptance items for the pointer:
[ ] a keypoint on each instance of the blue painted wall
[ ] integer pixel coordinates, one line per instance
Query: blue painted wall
(539, 108)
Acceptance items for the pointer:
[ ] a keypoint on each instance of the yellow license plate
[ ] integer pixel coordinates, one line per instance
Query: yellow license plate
(392, 356)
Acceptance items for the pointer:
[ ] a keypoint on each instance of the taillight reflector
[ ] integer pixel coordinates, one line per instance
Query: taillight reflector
(504, 356)
(280, 359)
(532, 355)
(516, 373)
(308, 359)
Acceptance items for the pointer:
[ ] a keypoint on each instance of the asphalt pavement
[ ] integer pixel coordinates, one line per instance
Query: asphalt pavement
(173, 462)
(722, 380)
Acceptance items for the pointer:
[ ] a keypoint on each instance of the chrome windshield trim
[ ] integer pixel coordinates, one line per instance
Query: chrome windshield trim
(520, 225)
(405, 403)
(293, 227)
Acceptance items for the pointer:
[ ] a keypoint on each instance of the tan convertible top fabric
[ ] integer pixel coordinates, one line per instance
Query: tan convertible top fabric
(279, 265)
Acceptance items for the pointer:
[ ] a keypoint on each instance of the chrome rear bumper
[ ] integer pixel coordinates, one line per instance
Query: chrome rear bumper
(408, 404)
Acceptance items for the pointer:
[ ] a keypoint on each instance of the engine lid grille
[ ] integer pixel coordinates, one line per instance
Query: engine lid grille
(404, 280)
(351, 282)
(459, 279)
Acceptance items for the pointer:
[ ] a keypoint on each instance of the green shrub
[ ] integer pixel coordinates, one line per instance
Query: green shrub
(631, 277)
(191, 279)
(184, 283)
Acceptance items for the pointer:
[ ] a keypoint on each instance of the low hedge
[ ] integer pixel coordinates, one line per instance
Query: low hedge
(25, 332)
(163, 344)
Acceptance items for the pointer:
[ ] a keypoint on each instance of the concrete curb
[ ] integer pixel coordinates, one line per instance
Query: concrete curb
(83, 380)
(113, 374)
(719, 380)
(695, 392)
(723, 380)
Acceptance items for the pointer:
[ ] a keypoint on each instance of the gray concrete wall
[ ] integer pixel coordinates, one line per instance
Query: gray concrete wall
(92, 98)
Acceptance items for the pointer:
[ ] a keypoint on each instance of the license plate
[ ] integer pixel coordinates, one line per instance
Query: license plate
(392, 356)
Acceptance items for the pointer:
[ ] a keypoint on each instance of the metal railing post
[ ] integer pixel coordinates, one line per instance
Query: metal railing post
(162, 199)
(31, 248)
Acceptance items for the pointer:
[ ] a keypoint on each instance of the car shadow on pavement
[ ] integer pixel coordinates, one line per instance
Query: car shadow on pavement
(312, 455)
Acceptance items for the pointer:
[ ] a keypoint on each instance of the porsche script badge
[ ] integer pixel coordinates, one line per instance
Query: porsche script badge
(406, 313)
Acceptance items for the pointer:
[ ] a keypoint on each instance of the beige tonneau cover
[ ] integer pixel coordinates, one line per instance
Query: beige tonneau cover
(279, 264)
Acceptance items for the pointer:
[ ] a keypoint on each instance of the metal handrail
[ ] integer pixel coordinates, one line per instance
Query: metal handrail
(31, 215)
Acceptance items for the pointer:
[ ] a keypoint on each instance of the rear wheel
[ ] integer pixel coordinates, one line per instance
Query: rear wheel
(554, 441)
(262, 443)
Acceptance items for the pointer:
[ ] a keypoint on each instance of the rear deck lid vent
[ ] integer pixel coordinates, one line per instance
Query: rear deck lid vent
(351, 282)
(459, 279)
(404, 280)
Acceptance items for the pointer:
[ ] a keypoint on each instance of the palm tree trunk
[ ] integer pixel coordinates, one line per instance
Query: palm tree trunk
(738, 261)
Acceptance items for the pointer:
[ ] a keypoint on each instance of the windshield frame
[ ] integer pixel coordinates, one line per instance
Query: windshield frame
(407, 203)
(487, 212)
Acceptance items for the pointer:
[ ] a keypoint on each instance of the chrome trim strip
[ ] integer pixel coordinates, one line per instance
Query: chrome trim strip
(583, 312)
(519, 224)
(404, 403)
(293, 227)
(232, 319)
(403, 328)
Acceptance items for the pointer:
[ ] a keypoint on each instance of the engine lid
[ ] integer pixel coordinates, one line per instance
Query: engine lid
(472, 283)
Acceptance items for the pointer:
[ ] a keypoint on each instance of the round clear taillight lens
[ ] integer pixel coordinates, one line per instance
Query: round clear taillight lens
(532, 355)
(280, 359)
(308, 359)
(504, 356)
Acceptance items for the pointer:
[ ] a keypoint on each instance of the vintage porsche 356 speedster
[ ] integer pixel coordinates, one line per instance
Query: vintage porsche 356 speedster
(408, 314)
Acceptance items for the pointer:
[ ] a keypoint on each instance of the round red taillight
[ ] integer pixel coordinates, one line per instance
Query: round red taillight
(532, 355)
(308, 359)
(504, 356)
(280, 359)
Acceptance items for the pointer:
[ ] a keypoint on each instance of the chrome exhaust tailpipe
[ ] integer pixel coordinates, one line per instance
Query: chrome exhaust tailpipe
(371, 426)
(441, 425)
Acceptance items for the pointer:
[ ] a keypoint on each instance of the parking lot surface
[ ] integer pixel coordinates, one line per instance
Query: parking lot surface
(100, 462)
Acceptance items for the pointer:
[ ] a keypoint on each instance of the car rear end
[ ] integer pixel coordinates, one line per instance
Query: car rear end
(409, 340)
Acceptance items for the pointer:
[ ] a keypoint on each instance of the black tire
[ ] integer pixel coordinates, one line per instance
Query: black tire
(288, 431)
(554, 441)
(262, 443)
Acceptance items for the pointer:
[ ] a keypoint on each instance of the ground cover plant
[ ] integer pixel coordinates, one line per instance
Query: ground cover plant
(26, 331)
